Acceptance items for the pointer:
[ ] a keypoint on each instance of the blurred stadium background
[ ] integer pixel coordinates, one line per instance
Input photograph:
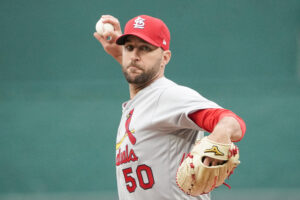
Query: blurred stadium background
(61, 95)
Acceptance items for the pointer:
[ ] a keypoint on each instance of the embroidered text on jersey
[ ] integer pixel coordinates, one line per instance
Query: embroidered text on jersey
(215, 150)
(128, 132)
(125, 156)
(139, 23)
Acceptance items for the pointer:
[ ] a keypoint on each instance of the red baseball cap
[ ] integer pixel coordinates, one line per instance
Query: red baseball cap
(150, 29)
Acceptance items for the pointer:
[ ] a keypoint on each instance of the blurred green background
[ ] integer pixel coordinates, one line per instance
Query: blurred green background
(61, 94)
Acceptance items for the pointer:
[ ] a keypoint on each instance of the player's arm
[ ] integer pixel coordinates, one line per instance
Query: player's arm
(224, 125)
(108, 39)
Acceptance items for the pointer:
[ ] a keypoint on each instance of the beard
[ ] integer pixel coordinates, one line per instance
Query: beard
(142, 78)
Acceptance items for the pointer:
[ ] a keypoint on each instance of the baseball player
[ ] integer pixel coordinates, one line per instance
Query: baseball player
(161, 133)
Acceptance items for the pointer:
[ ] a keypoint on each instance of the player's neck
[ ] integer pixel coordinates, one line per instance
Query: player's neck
(134, 89)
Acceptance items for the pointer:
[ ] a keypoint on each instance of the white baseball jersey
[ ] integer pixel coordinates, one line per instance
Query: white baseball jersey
(154, 134)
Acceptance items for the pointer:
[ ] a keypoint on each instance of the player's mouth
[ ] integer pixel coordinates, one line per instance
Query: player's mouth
(134, 68)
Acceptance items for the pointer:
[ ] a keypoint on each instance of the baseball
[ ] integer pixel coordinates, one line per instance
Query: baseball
(101, 28)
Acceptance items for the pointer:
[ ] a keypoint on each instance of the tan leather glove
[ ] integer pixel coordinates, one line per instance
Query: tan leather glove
(195, 178)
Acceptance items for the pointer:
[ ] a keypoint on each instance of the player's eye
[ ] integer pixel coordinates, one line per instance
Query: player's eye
(129, 47)
(145, 48)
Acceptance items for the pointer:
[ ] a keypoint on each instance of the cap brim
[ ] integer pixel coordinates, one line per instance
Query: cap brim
(122, 39)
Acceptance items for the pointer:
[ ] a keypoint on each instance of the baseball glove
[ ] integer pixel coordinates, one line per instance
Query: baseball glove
(194, 178)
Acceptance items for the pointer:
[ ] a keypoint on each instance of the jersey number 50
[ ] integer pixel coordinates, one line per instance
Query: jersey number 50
(140, 171)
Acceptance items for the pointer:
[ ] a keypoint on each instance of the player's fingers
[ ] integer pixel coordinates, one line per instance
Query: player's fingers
(105, 17)
(207, 161)
(221, 162)
(218, 162)
(212, 162)
(215, 162)
(115, 24)
(99, 38)
(108, 16)
(102, 40)
(112, 20)
(110, 36)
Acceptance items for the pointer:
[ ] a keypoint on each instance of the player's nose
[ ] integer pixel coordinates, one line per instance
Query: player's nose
(134, 55)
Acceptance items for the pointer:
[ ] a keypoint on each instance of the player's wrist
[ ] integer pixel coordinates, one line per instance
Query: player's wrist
(227, 130)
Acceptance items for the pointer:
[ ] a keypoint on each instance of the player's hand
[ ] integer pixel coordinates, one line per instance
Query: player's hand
(216, 136)
(222, 134)
(208, 161)
(108, 39)
(212, 162)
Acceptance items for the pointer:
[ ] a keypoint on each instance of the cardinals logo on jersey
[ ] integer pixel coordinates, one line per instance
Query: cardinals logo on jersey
(126, 155)
(128, 132)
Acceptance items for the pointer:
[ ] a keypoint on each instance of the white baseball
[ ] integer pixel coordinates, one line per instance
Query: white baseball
(101, 28)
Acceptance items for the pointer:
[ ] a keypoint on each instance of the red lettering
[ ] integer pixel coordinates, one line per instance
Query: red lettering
(123, 156)
(130, 182)
(144, 176)
(132, 156)
(148, 174)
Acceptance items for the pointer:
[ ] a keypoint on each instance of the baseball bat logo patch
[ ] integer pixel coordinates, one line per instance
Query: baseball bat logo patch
(215, 150)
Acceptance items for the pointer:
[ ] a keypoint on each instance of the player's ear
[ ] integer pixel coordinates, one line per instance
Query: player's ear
(166, 57)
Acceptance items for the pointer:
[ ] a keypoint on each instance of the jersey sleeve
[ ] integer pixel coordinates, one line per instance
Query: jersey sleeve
(207, 119)
(175, 104)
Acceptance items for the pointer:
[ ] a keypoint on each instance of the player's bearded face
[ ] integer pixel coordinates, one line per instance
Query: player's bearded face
(138, 74)
(143, 68)
(141, 61)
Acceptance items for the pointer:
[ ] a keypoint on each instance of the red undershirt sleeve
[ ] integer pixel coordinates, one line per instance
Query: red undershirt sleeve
(207, 119)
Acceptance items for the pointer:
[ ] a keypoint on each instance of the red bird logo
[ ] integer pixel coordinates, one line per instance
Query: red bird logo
(128, 132)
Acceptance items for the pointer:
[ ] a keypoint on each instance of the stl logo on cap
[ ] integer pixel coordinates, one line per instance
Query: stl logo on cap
(150, 29)
(139, 23)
